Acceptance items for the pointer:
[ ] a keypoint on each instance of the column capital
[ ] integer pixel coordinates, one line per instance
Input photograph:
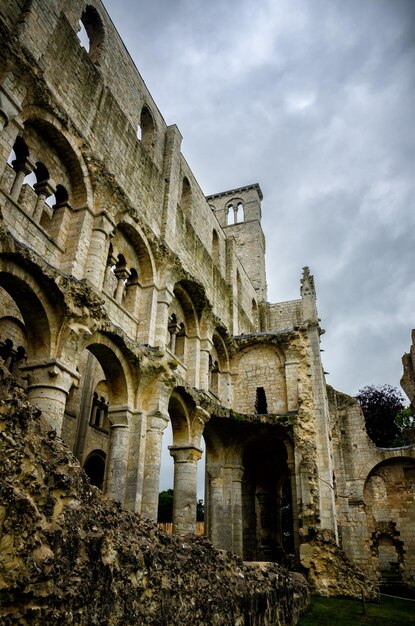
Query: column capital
(51, 373)
(206, 344)
(157, 421)
(104, 223)
(185, 454)
(119, 415)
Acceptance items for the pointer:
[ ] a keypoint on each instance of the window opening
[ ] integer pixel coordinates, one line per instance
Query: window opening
(261, 402)
(83, 36)
(239, 216)
(230, 216)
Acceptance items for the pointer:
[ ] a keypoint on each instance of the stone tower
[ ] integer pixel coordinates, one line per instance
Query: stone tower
(239, 213)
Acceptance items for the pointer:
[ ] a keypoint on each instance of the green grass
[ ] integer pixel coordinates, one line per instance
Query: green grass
(345, 612)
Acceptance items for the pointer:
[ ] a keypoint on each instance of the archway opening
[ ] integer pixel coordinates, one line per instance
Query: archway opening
(95, 468)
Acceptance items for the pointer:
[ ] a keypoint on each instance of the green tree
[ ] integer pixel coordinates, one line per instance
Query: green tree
(380, 405)
(165, 508)
(200, 511)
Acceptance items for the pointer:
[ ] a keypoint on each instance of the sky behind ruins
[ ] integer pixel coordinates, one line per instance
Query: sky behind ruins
(313, 99)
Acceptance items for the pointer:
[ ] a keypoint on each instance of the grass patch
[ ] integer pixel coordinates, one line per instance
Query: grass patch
(346, 612)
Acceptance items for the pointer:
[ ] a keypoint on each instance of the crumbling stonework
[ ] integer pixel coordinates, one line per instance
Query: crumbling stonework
(71, 556)
(408, 378)
(130, 301)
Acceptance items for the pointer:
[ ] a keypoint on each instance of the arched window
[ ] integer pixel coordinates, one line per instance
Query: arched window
(230, 215)
(99, 412)
(181, 342)
(215, 247)
(186, 199)
(239, 214)
(146, 129)
(255, 318)
(91, 33)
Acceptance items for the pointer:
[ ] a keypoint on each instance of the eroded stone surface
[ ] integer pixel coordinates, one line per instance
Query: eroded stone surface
(69, 555)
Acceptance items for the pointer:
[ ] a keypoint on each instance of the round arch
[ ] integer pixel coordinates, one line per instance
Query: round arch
(116, 369)
(40, 316)
(66, 145)
(94, 467)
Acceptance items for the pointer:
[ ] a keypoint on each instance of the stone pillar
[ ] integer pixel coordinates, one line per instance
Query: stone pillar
(122, 274)
(206, 346)
(48, 388)
(164, 300)
(43, 190)
(98, 250)
(116, 466)
(215, 505)
(136, 459)
(193, 360)
(173, 329)
(185, 488)
(291, 380)
(156, 423)
(237, 535)
(22, 167)
(60, 222)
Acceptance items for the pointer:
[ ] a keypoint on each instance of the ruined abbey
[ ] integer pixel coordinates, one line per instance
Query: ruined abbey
(129, 300)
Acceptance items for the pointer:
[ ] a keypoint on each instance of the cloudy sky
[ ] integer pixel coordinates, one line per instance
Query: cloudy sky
(313, 99)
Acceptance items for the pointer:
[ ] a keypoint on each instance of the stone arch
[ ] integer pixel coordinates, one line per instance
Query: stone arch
(186, 197)
(94, 467)
(187, 432)
(67, 147)
(266, 475)
(41, 317)
(388, 496)
(219, 375)
(181, 404)
(116, 370)
(147, 129)
(215, 248)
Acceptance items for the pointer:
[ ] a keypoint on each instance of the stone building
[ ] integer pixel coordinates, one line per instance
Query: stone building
(130, 300)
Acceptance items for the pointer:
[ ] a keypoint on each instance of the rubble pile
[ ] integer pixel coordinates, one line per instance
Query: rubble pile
(69, 555)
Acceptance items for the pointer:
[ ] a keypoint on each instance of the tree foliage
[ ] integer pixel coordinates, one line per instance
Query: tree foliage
(165, 508)
(380, 405)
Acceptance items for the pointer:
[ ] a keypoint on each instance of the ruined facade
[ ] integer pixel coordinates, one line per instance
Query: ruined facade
(130, 300)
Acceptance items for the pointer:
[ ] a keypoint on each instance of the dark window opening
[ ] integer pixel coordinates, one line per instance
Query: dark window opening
(261, 402)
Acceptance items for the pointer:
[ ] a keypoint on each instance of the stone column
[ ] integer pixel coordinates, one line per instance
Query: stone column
(206, 346)
(173, 329)
(215, 505)
(98, 250)
(60, 223)
(22, 167)
(156, 424)
(136, 459)
(43, 190)
(185, 488)
(164, 300)
(122, 274)
(48, 388)
(291, 378)
(117, 461)
(237, 535)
